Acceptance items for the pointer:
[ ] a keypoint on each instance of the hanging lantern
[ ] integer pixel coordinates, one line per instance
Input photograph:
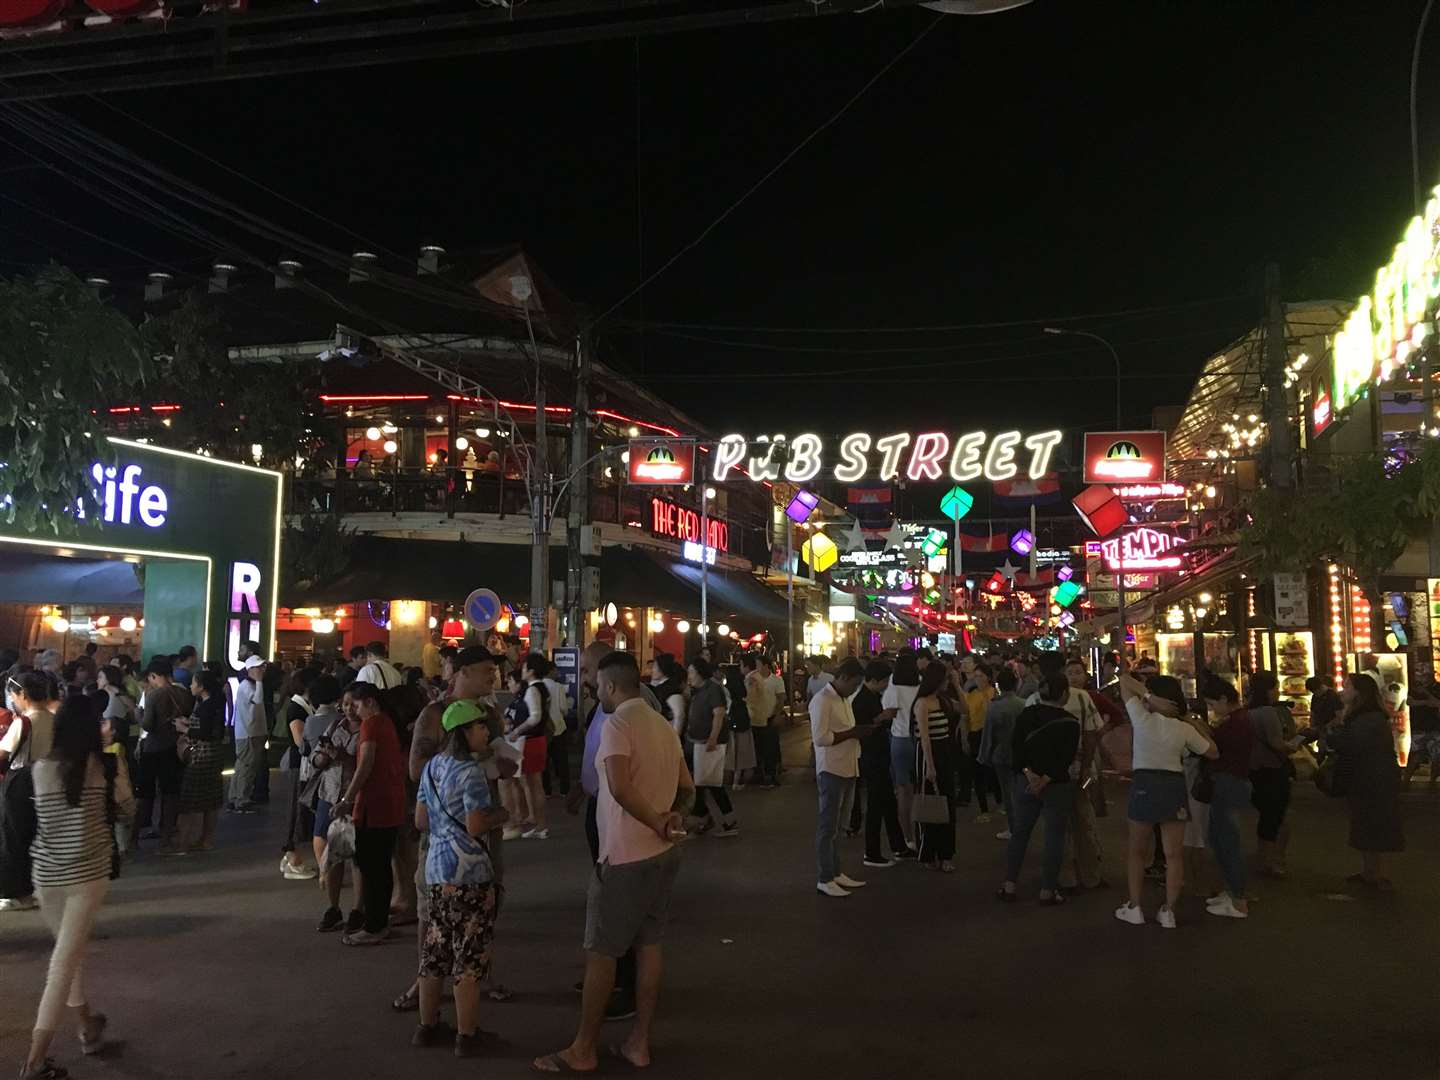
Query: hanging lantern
(453, 628)
(996, 583)
(1064, 573)
(802, 506)
(933, 544)
(1100, 508)
(820, 552)
(1023, 542)
(1066, 593)
(956, 503)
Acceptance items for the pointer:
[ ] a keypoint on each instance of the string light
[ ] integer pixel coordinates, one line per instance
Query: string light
(1337, 628)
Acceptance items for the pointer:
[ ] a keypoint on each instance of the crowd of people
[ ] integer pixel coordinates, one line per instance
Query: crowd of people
(412, 781)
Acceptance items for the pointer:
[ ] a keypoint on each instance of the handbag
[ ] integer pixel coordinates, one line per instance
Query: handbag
(708, 766)
(928, 808)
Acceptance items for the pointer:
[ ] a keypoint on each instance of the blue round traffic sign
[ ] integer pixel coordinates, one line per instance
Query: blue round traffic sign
(482, 608)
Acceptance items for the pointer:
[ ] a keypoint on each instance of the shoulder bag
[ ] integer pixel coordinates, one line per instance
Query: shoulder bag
(320, 760)
(927, 807)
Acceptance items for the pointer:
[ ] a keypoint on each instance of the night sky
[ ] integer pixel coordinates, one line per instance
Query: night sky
(1064, 159)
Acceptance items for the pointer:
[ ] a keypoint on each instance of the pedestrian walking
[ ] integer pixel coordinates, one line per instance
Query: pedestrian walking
(707, 729)
(995, 740)
(78, 795)
(1158, 795)
(836, 738)
(27, 740)
(1228, 788)
(763, 707)
(900, 696)
(1043, 750)
(455, 810)
(376, 799)
(645, 790)
(1365, 747)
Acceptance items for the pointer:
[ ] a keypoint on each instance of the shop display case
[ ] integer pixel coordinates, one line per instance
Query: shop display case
(1294, 663)
(1176, 656)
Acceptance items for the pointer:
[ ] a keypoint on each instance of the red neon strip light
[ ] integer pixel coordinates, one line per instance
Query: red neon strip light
(116, 410)
(355, 398)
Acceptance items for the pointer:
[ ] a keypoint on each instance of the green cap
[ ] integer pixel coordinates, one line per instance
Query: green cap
(459, 713)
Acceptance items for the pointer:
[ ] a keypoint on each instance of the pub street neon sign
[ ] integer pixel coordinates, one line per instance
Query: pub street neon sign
(929, 455)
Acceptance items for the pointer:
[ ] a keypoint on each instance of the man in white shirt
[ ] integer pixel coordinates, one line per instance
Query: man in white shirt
(837, 764)
(251, 728)
(378, 671)
(645, 790)
(818, 680)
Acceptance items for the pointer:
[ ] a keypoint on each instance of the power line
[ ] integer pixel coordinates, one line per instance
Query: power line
(814, 134)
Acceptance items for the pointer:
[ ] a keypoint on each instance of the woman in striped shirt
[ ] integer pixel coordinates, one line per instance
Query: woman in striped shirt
(936, 768)
(74, 787)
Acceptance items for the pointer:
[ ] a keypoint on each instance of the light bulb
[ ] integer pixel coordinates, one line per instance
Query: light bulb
(390, 446)
(462, 443)
(128, 624)
(60, 624)
(683, 626)
(372, 433)
(723, 630)
(482, 432)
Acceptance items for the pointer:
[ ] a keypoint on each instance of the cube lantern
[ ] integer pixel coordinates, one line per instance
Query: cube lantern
(1100, 508)
(956, 503)
(820, 552)
(802, 506)
(1023, 542)
(933, 544)
(1066, 593)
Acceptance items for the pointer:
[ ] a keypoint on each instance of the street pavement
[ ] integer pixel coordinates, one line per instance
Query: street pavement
(209, 966)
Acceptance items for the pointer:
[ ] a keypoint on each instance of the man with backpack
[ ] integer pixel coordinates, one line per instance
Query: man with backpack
(557, 756)
(378, 670)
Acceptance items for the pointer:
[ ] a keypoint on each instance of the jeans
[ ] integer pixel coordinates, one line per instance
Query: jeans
(373, 849)
(1006, 778)
(767, 752)
(69, 911)
(625, 966)
(880, 810)
(1054, 804)
(557, 761)
(902, 761)
(977, 776)
(1271, 795)
(937, 842)
(835, 795)
(249, 761)
(1231, 795)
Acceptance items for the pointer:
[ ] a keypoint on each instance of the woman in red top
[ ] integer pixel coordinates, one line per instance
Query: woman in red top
(376, 796)
(1234, 735)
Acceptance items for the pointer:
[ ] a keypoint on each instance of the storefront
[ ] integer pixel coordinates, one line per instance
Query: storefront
(201, 538)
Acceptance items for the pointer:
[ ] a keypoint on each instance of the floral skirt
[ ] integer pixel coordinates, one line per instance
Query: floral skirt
(201, 787)
(460, 933)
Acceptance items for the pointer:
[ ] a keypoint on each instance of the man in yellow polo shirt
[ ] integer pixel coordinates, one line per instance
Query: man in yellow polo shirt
(972, 773)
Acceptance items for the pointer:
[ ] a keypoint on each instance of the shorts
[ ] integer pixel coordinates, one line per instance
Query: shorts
(322, 819)
(460, 934)
(533, 757)
(1158, 796)
(902, 761)
(628, 904)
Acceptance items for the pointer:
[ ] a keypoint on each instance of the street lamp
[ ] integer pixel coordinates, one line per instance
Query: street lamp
(1060, 331)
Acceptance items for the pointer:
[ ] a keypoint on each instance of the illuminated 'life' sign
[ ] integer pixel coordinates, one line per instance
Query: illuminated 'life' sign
(929, 455)
(1142, 549)
(123, 499)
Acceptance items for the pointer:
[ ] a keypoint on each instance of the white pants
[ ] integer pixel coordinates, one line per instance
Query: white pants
(69, 911)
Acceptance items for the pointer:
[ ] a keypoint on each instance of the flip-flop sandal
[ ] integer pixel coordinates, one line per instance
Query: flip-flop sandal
(615, 1055)
(406, 1002)
(561, 1066)
(500, 993)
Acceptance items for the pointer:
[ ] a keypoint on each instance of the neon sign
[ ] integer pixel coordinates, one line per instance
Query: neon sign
(1387, 325)
(1136, 457)
(1141, 549)
(120, 495)
(931, 455)
(1320, 414)
(661, 461)
(1148, 492)
(245, 580)
(681, 523)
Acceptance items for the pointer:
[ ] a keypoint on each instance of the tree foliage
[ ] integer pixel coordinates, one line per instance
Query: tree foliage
(64, 355)
(1364, 518)
(317, 549)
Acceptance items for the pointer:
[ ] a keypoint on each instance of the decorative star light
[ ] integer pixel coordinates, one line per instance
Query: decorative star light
(1009, 570)
(895, 538)
(855, 538)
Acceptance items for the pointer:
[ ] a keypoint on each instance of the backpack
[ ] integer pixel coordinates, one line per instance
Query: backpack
(554, 706)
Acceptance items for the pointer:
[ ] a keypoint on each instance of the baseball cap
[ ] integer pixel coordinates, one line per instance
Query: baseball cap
(471, 654)
(459, 713)
(254, 662)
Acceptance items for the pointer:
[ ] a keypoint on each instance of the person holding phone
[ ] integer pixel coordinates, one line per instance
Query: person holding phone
(836, 737)
(881, 809)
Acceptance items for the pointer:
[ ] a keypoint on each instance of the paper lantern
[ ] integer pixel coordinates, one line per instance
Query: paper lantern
(453, 628)
(1100, 508)
(820, 552)
(956, 503)
(802, 506)
(1064, 573)
(933, 544)
(1023, 542)
(1066, 593)
(1067, 618)
(996, 583)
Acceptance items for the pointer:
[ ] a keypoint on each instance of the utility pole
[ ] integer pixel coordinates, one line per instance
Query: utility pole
(578, 516)
(539, 491)
(1281, 441)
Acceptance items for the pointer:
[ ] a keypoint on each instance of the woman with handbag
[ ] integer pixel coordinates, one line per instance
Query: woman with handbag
(935, 780)
(1225, 785)
(332, 764)
(1369, 778)
(201, 748)
(1270, 770)
(78, 796)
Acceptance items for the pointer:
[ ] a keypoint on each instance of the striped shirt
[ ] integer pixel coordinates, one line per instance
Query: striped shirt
(937, 722)
(72, 843)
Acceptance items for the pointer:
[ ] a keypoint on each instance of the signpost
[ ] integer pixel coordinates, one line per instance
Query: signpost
(567, 674)
(483, 608)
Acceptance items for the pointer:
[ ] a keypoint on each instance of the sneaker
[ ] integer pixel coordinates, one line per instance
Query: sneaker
(1128, 912)
(848, 882)
(364, 937)
(238, 808)
(908, 853)
(19, 903)
(733, 829)
(982, 819)
(702, 826)
(468, 1046)
(1225, 908)
(1003, 834)
(300, 873)
(92, 1039)
(46, 1070)
(831, 888)
(333, 919)
(619, 1007)
(878, 864)
(354, 921)
(1166, 918)
(536, 834)
(436, 1034)
(511, 833)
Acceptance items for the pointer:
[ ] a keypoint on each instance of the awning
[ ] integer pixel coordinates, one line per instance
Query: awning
(392, 568)
(644, 578)
(35, 578)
